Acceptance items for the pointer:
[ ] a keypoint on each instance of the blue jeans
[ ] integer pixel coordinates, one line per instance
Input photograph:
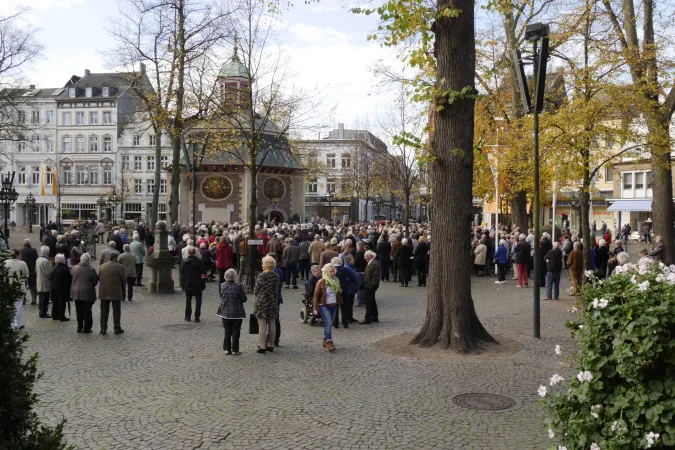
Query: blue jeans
(328, 315)
(552, 279)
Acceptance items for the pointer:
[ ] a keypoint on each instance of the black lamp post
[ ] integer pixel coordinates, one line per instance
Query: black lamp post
(378, 205)
(319, 204)
(392, 207)
(101, 202)
(400, 211)
(8, 196)
(329, 198)
(113, 201)
(30, 204)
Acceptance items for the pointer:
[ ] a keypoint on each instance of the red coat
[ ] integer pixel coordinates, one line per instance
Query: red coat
(223, 255)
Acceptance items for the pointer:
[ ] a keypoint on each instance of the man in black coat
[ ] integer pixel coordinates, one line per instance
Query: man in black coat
(61, 282)
(119, 244)
(371, 283)
(193, 283)
(50, 241)
(29, 255)
(141, 232)
(383, 256)
(554, 265)
(403, 257)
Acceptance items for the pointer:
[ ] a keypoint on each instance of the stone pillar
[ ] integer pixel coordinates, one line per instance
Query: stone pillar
(161, 263)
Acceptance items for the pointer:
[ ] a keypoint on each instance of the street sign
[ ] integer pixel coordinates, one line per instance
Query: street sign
(255, 242)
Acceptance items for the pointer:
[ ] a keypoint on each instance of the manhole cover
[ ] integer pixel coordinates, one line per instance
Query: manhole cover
(178, 327)
(484, 402)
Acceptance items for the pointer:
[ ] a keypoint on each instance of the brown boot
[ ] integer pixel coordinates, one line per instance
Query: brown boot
(325, 345)
(329, 345)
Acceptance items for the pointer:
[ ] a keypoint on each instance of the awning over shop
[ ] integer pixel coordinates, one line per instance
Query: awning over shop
(631, 205)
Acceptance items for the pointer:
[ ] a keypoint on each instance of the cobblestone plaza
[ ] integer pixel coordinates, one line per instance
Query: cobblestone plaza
(167, 384)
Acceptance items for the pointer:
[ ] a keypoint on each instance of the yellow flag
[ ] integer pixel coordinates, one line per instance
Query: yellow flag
(43, 175)
(55, 181)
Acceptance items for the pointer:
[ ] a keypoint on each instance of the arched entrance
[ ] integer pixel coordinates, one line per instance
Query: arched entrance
(275, 216)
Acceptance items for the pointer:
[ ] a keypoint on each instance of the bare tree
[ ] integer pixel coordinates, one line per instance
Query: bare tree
(172, 39)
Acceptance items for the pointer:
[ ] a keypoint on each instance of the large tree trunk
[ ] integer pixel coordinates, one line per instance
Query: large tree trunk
(451, 319)
(519, 211)
(588, 240)
(154, 211)
(662, 182)
(252, 210)
(175, 176)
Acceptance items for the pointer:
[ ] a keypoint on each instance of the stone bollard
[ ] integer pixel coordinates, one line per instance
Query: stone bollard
(161, 263)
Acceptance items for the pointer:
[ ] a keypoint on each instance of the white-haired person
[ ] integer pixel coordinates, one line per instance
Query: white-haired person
(193, 283)
(371, 282)
(43, 269)
(327, 298)
(83, 292)
(18, 273)
(231, 310)
(501, 256)
(138, 250)
(105, 254)
(266, 307)
(61, 284)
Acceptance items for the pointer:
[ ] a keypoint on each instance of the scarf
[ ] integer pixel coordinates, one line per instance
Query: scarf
(333, 283)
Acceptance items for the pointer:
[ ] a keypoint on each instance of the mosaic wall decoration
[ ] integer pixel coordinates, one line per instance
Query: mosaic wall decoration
(216, 187)
(274, 189)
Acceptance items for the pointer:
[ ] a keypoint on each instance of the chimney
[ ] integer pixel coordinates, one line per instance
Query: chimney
(143, 68)
(86, 72)
(32, 86)
(341, 130)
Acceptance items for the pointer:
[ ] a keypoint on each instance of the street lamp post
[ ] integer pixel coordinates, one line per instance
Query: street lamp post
(392, 208)
(378, 205)
(101, 202)
(113, 201)
(319, 204)
(400, 212)
(30, 203)
(8, 196)
(329, 198)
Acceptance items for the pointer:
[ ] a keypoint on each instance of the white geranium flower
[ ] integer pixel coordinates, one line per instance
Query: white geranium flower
(557, 350)
(542, 391)
(600, 303)
(551, 434)
(594, 412)
(562, 447)
(594, 446)
(671, 278)
(660, 278)
(581, 327)
(619, 427)
(633, 280)
(651, 438)
(643, 286)
(585, 375)
(589, 274)
(555, 379)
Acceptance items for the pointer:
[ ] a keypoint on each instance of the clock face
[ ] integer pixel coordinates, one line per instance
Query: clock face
(216, 187)
(274, 189)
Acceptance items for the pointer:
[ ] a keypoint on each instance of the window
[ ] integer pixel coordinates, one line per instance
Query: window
(49, 175)
(628, 180)
(344, 185)
(71, 92)
(35, 175)
(330, 160)
(162, 211)
(311, 185)
(82, 176)
(93, 144)
(79, 144)
(22, 116)
(346, 161)
(153, 139)
(138, 186)
(137, 139)
(164, 161)
(67, 118)
(150, 186)
(79, 118)
(22, 146)
(49, 144)
(66, 177)
(107, 118)
(35, 117)
(106, 91)
(87, 92)
(138, 163)
(93, 118)
(66, 145)
(151, 163)
(35, 144)
(50, 116)
(107, 144)
(609, 174)
(639, 180)
(125, 163)
(648, 176)
(162, 186)
(107, 177)
(93, 177)
(22, 176)
(331, 184)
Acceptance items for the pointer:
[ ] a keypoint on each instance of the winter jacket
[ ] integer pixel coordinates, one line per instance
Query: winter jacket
(522, 252)
(29, 255)
(113, 281)
(128, 261)
(501, 255)
(360, 261)
(290, 256)
(554, 260)
(349, 280)
(62, 281)
(403, 255)
(303, 250)
(223, 255)
(371, 277)
(192, 271)
(481, 254)
(138, 250)
(266, 304)
(84, 283)
(384, 251)
(320, 294)
(315, 250)
(232, 299)
(658, 252)
(43, 268)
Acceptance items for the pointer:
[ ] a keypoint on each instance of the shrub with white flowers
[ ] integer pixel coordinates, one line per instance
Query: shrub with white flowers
(623, 394)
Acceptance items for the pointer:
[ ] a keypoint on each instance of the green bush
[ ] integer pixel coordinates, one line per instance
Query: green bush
(623, 394)
(20, 428)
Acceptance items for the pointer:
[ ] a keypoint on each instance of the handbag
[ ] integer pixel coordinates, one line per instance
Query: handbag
(253, 324)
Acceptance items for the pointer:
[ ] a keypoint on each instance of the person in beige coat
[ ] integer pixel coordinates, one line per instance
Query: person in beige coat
(83, 292)
(113, 278)
(315, 249)
(128, 260)
(43, 269)
(479, 260)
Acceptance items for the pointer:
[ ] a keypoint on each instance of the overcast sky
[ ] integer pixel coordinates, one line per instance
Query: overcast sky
(327, 47)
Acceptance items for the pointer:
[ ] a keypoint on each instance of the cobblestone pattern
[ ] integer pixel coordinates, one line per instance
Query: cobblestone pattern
(158, 388)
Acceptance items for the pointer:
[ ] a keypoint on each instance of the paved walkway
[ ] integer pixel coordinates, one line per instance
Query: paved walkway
(165, 385)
